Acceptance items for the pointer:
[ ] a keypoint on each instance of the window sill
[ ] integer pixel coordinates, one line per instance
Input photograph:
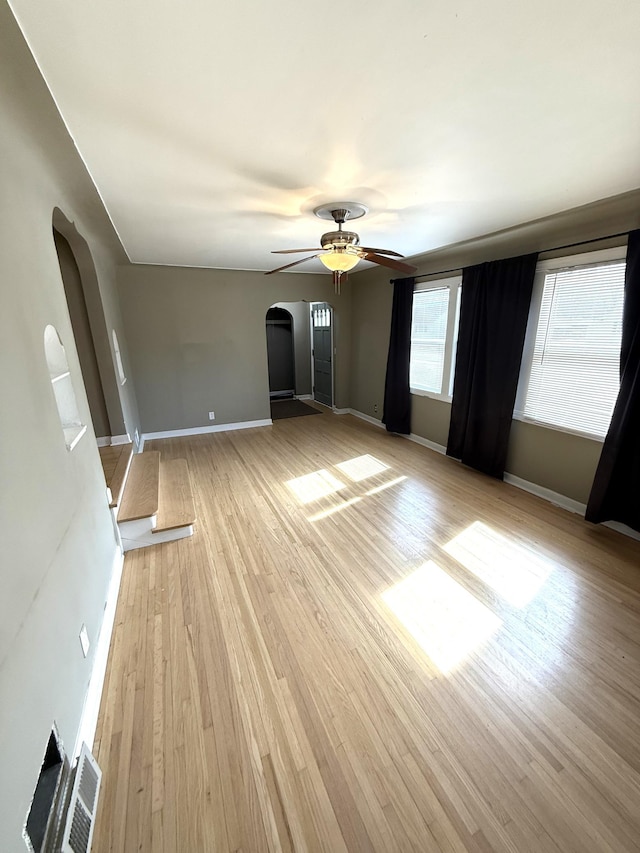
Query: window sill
(418, 392)
(517, 416)
(73, 434)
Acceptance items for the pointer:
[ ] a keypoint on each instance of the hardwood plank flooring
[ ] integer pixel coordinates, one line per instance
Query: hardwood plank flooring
(367, 647)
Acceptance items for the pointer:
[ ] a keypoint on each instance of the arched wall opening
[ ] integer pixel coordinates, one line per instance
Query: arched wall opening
(299, 312)
(90, 331)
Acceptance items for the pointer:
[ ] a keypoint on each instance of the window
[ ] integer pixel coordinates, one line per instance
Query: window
(434, 332)
(571, 364)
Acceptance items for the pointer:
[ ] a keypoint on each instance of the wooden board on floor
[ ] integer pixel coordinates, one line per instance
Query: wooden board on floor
(175, 507)
(140, 498)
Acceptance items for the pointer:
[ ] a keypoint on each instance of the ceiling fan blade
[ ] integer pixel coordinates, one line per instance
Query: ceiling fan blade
(295, 263)
(380, 251)
(389, 262)
(291, 251)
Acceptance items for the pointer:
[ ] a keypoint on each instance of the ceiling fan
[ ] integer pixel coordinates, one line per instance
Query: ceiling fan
(340, 250)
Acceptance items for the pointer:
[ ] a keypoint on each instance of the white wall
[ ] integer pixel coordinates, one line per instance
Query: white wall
(57, 540)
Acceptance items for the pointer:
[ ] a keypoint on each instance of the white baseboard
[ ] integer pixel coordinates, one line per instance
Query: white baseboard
(622, 528)
(91, 709)
(566, 503)
(425, 442)
(121, 439)
(356, 414)
(540, 491)
(303, 397)
(177, 433)
(105, 441)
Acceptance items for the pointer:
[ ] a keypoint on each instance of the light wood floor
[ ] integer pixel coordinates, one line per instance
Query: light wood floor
(423, 659)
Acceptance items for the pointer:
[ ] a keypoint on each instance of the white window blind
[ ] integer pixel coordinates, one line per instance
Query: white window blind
(575, 367)
(428, 339)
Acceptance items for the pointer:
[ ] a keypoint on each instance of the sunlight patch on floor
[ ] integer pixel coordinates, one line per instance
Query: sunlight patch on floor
(444, 619)
(332, 510)
(384, 486)
(361, 467)
(312, 487)
(512, 570)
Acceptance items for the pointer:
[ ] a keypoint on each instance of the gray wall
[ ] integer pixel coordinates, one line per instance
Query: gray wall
(563, 463)
(58, 544)
(197, 340)
(301, 343)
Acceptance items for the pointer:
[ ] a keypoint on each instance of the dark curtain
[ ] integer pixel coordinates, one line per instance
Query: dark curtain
(396, 413)
(493, 320)
(615, 495)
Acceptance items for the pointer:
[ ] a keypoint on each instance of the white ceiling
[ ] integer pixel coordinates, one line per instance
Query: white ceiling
(213, 129)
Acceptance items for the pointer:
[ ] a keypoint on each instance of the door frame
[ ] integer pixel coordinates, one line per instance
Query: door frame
(333, 352)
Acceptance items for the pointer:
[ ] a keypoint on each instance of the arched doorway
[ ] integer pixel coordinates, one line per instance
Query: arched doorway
(90, 331)
(81, 326)
(280, 353)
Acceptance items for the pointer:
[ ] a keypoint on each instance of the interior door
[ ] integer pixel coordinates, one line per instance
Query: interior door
(322, 354)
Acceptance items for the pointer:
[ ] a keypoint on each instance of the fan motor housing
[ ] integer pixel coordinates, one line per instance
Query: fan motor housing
(339, 239)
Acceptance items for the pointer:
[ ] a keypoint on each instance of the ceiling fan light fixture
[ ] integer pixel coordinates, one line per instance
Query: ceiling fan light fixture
(339, 261)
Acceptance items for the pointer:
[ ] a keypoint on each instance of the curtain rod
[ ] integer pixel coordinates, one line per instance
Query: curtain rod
(541, 252)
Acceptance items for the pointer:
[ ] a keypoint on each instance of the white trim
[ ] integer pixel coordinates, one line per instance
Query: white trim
(303, 397)
(202, 430)
(564, 502)
(73, 434)
(525, 419)
(583, 259)
(542, 492)
(425, 442)
(418, 392)
(89, 718)
(103, 442)
(375, 421)
(149, 537)
(137, 529)
(454, 285)
(121, 439)
(622, 528)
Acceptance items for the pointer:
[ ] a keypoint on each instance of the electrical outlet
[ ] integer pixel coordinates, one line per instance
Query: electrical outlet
(84, 640)
(375, 407)
(212, 416)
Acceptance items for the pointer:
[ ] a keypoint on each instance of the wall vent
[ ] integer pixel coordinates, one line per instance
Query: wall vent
(82, 805)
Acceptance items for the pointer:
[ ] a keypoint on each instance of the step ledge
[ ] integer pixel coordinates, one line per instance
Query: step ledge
(144, 541)
(130, 509)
